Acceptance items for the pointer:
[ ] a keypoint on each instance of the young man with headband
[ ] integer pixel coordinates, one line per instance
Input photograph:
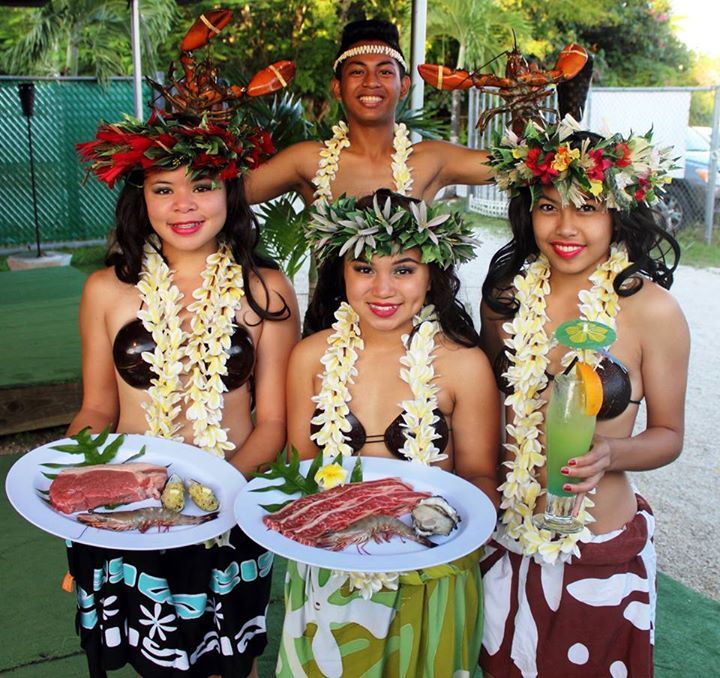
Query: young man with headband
(370, 151)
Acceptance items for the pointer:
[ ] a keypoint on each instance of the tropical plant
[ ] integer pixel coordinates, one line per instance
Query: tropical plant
(284, 116)
(481, 29)
(283, 232)
(632, 41)
(90, 37)
(423, 121)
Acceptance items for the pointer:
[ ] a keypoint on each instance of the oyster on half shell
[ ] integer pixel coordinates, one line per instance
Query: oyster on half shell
(434, 515)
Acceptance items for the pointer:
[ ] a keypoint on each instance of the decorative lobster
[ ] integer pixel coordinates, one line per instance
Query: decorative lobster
(199, 90)
(522, 89)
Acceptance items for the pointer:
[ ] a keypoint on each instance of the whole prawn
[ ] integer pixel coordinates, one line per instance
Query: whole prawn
(377, 528)
(141, 519)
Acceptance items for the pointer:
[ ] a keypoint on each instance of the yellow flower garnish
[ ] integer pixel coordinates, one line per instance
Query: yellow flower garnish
(330, 475)
(596, 187)
(564, 157)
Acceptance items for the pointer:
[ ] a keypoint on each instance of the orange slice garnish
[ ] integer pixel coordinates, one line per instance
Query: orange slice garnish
(592, 386)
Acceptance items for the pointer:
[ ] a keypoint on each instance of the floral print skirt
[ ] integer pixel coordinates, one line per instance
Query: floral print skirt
(430, 625)
(594, 616)
(190, 611)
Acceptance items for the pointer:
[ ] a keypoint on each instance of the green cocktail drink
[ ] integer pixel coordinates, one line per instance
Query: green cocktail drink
(568, 433)
(568, 430)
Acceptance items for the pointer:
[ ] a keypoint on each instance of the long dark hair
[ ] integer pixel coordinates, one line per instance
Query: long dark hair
(241, 231)
(329, 292)
(654, 253)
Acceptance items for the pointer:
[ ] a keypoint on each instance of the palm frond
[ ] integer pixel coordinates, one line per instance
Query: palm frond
(282, 233)
(423, 121)
(284, 115)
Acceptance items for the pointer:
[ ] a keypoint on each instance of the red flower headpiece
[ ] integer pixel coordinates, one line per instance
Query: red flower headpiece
(205, 130)
(166, 143)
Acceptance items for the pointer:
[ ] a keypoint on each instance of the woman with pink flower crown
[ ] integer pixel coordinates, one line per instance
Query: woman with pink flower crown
(587, 247)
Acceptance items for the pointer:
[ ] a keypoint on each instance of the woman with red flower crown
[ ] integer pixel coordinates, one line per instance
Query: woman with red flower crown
(185, 336)
(576, 597)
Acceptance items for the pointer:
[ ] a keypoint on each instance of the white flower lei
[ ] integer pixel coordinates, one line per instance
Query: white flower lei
(418, 412)
(527, 377)
(204, 348)
(330, 156)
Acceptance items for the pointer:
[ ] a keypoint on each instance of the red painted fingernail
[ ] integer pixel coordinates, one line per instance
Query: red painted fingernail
(567, 487)
(565, 470)
(572, 462)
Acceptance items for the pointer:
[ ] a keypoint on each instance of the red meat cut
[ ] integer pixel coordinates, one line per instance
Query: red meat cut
(80, 489)
(308, 518)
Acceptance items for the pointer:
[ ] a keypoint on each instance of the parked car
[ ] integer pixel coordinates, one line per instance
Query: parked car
(684, 200)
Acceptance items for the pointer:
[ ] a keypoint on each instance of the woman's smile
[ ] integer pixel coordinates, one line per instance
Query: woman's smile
(567, 250)
(384, 310)
(186, 227)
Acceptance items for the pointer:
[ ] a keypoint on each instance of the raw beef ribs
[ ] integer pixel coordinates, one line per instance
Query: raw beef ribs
(308, 518)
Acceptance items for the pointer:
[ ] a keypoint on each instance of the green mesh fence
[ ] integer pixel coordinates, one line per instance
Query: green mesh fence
(66, 112)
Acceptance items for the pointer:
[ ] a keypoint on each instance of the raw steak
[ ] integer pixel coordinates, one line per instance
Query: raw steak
(80, 489)
(306, 519)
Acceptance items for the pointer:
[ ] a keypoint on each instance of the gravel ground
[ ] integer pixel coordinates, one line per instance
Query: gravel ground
(683, 494)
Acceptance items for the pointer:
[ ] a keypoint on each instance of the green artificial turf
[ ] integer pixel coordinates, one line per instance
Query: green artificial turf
(38, 638)
(40, 335)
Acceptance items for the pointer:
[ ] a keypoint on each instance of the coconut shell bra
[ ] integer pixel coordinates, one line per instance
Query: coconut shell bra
(394, 436)
(613, 375)
(133, 340)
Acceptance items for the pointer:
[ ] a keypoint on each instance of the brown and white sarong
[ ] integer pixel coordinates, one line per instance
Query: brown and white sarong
(593, 616)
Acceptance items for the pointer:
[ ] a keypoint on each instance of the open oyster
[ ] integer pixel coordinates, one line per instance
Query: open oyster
(434, 516)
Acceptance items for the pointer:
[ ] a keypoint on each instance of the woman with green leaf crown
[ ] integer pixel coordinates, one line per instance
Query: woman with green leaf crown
(586, 248)
(393, 371)
(185, 336)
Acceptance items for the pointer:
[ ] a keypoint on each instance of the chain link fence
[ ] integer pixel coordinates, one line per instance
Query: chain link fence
(66, 111)
(625, 110)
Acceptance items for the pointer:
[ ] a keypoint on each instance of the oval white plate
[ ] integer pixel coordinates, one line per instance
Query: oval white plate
(477, 515)
(25, 483)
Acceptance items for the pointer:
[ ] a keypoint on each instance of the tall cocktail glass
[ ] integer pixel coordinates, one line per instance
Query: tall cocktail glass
(568, 433)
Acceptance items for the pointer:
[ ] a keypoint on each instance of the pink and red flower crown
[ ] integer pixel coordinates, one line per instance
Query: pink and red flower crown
(622, 172)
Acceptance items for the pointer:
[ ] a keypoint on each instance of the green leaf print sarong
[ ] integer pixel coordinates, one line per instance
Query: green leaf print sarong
(430, 626)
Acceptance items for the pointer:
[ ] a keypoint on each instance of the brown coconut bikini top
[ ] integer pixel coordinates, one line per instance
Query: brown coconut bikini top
(133, 340)
(394, 436)
(613, 375)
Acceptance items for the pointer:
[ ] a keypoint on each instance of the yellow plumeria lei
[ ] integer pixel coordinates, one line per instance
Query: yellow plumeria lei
(527, 377)
(330, 157)
(201, 353)
(339, 363)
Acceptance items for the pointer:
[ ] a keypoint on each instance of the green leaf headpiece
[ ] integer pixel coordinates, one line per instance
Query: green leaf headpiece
(341, 227)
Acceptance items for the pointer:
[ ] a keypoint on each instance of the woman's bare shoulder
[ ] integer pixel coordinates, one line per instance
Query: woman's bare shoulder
(652, 305)
(104, 283)
(461, 361)
(312, 348)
